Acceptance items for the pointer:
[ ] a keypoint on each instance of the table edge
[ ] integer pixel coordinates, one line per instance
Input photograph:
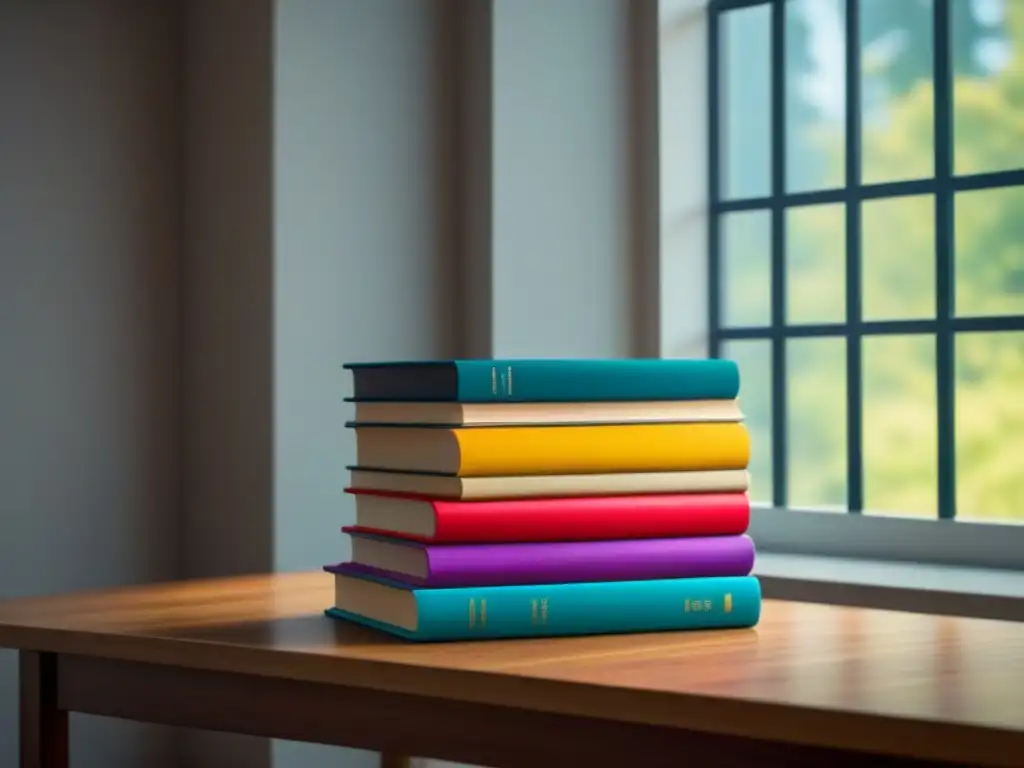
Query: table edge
(791, 723)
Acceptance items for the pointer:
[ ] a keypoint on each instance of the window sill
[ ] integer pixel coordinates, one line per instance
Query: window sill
(915, 587)
(889, 539)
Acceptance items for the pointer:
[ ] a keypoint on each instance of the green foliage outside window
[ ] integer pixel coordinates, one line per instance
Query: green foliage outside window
(898, 281)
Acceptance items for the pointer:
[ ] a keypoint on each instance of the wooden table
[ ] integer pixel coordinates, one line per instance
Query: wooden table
(814, 685)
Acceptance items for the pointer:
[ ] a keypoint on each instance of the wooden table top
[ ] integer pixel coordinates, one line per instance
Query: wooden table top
(900, 683)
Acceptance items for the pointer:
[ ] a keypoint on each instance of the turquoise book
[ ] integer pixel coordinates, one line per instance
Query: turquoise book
(545, 380)
(547, 610)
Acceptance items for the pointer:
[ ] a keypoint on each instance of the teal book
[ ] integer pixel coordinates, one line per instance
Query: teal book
(545, 380)
(547, 610)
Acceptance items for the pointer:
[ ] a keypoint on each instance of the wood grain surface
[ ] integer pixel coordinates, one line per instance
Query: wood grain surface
(940, 688)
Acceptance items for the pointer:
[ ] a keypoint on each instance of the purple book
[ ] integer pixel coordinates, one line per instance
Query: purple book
(468, 565)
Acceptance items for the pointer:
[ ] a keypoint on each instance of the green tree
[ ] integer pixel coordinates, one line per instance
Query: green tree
(911, 22)
(896, 42)
(898, 282)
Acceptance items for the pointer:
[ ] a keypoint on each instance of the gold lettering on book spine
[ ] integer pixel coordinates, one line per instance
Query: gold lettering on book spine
(494, 380)
(483, 612)
(539, 612)
(703, 606)
(727, 603)
(510, 381)
(472, 613)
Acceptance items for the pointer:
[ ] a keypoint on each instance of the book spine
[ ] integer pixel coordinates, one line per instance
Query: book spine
(648, 516)
(585, 609)
(602, 449)
(484, 381)
(583, 561)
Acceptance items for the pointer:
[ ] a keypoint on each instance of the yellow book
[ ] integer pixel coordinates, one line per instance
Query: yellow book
(590, 449)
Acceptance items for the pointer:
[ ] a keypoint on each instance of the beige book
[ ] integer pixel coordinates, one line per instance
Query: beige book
(379, 602)
(541, 486)
(507, 414)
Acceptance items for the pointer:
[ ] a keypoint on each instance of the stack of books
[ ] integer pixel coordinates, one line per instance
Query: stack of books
(526, 498)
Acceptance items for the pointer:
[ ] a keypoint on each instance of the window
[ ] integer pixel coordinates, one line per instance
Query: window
(866, 250)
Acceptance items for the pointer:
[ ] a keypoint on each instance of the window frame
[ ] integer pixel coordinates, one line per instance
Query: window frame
(777, 527)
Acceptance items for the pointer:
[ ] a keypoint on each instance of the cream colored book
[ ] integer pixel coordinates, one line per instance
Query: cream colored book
(508, 414)
(540, 486)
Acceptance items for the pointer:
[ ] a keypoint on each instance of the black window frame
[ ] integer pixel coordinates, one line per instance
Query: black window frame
(942, 186)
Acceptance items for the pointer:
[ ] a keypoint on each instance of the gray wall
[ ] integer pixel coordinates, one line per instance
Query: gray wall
(227, 273)
(90, 318)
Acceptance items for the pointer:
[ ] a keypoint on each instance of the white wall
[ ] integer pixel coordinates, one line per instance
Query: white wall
(90, 339)
(363, 255)
(562, 270)
(683, 207)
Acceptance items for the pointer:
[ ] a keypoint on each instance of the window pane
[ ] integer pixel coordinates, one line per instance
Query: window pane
(816, 264)
(990, 251)
(816, 429)
(755, 361)
(745, 102)
(746, 268)
(897, 100)
(815, 94)
(990, 426)
(988, 71)
(898, 258)
(900, 426)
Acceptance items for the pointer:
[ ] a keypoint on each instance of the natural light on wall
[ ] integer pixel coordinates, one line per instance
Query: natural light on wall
(683, 194)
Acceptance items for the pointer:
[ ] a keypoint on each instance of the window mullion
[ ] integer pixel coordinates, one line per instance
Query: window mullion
(854, 394)
(780, 428)
(715, 81)
(944, 341)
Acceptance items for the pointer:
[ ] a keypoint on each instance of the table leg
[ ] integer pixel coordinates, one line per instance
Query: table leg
(391, 760)
(44, 727)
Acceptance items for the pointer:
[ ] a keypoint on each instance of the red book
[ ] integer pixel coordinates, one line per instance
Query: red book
(648, 516)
